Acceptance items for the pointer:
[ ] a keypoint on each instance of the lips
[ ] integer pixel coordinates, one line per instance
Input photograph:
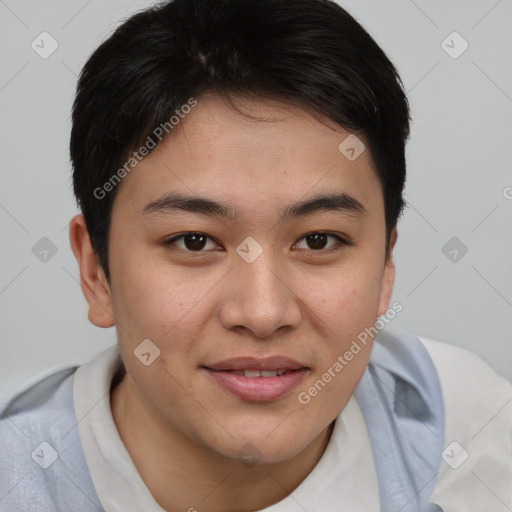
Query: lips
(256, 379)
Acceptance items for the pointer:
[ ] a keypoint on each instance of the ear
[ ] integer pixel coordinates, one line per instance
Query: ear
(388, 276)
(94, 284)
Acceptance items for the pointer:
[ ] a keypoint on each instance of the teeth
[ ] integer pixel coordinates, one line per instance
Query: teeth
(252, 373)
(263, 373)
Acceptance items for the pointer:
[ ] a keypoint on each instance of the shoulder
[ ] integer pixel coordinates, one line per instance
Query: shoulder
(45, 407)
(40, 453)
(470, 387)
(476, 466)
(456, 359)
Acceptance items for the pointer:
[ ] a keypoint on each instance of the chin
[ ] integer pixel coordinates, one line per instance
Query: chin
(260, 449)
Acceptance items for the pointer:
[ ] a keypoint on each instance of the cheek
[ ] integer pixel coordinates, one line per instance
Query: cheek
(344, 313)
(160, 302)
(348, 300)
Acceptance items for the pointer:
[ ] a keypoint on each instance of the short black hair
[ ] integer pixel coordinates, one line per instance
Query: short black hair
(309, 53)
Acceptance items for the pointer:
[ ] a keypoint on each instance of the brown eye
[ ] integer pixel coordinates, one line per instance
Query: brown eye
(194, 242)
(191, 242)
(316, 240)
(319, 241)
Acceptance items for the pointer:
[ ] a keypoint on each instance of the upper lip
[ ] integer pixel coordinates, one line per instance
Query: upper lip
(253, 363)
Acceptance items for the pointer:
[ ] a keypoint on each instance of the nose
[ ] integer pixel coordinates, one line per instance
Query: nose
(260, 299)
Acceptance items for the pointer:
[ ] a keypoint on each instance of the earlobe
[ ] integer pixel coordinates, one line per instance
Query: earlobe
(388, 278)
(94, 284)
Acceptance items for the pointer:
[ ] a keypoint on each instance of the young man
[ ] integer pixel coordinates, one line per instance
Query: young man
(240, 166)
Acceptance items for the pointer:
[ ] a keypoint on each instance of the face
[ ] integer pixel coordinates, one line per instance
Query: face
(275, 277)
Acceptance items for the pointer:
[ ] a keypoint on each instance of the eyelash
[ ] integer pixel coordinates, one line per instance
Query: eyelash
(341, 242)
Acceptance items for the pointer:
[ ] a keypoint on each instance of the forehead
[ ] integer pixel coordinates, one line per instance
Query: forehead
(256, 154)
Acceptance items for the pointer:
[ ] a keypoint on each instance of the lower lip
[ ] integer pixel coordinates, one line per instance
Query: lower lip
(258, 388)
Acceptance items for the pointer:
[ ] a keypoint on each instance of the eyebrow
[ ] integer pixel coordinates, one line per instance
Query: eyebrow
(172, 202)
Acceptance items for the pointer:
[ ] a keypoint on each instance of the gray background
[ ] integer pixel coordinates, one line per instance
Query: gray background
(459, 164)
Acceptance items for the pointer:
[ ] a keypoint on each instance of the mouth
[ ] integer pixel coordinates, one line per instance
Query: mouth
(258, 380)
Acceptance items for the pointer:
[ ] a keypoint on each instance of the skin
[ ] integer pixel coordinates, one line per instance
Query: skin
(184, 433)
